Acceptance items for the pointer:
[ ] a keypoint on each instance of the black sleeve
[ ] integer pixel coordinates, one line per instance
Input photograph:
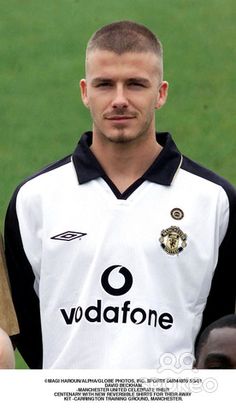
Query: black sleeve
(26, 302)
(221, 299)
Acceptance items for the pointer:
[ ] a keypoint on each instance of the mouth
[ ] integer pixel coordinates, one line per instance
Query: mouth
(120, 118)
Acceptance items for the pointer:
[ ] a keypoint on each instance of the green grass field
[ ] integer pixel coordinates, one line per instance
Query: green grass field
(42, 60)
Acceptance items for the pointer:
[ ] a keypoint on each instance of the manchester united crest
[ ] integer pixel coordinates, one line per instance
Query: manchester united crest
(173, 240)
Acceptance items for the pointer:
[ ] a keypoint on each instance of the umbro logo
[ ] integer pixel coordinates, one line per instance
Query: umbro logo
(68, 236)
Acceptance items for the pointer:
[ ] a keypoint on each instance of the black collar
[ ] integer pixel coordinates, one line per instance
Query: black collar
(162, 171)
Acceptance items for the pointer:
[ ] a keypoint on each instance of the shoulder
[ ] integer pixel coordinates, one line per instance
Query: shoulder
(44, 178)
(206, 177)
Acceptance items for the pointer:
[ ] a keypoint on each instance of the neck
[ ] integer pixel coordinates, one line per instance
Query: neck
(124, 163)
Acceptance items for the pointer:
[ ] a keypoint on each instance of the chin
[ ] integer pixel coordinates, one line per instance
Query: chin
(121, 138)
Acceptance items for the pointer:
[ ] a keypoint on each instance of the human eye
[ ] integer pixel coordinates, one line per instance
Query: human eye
(137, 84)
(215, 366)
(223, 363)
(103, 84)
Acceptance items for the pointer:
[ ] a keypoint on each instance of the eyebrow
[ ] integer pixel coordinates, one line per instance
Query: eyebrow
(218, 358)
(140, 80)
(99, 80)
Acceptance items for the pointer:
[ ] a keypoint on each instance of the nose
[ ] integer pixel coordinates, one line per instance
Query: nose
(120, 99)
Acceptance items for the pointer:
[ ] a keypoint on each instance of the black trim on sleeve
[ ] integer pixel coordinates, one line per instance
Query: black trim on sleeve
(29, 340)
(221, 299)
(21, 276)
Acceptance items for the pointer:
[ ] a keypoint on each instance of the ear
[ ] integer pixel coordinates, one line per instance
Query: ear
(162, 95)
(83, 90)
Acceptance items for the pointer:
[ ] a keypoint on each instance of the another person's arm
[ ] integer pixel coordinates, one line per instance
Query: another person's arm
(8, 320)
(7, 357)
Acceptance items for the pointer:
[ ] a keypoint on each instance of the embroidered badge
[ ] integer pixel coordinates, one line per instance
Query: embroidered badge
(177, 213)
(173, 240)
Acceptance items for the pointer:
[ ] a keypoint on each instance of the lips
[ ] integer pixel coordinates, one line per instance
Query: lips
(119, 117)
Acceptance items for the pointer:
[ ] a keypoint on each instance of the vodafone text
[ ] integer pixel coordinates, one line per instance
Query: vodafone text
(117, 314)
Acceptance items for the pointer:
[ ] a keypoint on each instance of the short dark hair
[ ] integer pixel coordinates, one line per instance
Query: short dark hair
(225, 321)
(125, 36)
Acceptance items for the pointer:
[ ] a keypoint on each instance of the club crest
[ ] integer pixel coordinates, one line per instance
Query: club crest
(173, 240)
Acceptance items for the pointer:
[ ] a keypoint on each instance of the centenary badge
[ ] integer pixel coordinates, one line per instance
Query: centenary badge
(177, 213)
(173, 240)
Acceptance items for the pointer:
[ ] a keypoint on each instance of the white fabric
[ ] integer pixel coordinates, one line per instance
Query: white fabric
(122, 233)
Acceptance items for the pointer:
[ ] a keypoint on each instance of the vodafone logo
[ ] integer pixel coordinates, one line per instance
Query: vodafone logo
(117, 280)
(127, 283)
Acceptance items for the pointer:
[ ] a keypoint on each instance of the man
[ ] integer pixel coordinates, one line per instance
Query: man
(121, 251)
(216, 348)
(8, 321)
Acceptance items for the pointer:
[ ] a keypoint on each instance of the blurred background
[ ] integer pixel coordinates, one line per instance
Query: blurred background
(42, 51)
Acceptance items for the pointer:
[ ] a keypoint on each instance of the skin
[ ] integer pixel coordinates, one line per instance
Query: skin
(7, 358)
(122, 93)
(219, 352)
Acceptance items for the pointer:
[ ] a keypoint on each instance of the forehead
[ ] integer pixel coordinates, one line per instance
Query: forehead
(107, 64)
(222, 340)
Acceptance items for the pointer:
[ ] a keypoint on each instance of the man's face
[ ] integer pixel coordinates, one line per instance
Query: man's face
(122, 93)
(219, 352)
